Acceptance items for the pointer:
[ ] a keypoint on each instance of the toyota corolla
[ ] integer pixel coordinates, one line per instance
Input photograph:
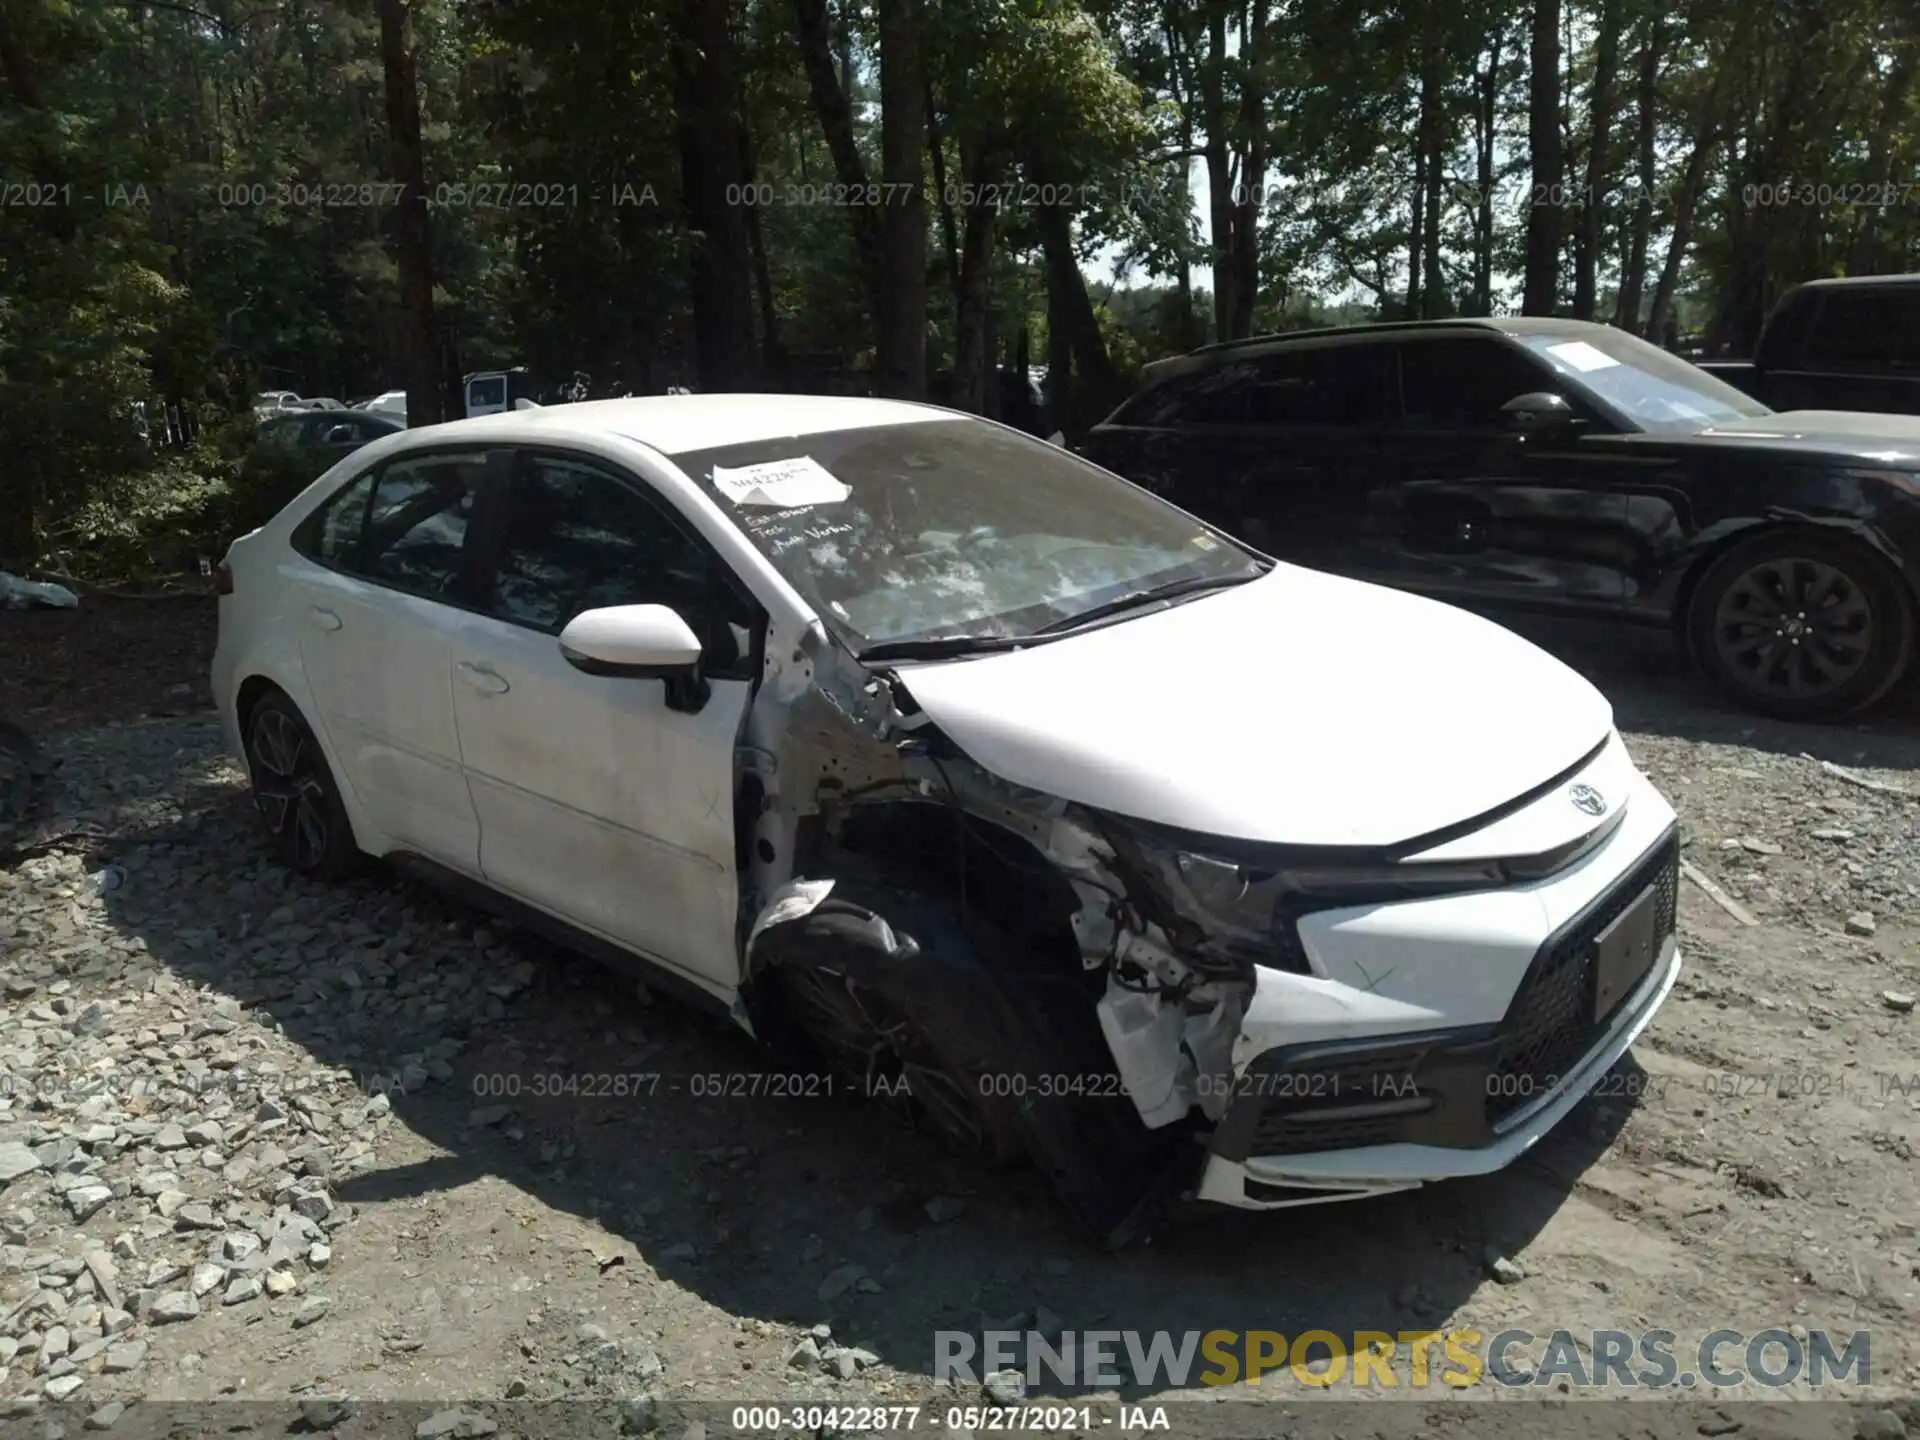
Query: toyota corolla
(991, 784)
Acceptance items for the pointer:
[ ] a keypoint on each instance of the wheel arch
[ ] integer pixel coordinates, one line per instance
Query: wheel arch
(974, 862)
(256, 687)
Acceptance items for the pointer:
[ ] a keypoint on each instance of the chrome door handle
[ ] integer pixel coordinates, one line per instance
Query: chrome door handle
(324, 618)
(483, 679)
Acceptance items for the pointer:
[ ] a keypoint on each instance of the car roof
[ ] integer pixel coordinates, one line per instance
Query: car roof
(1503, 324)
(1858, 282)
(678, 424)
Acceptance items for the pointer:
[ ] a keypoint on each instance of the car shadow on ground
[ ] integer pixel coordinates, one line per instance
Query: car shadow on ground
(791, 1208)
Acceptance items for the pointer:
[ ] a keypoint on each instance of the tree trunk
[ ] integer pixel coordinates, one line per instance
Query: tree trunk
(1060, 378)
(419, 339)
(1189, 332)
(1864, 257)
(1633, 263)
(828, 88)
(900, 331)
(1434, 300)
(1600, 108)
(973, 377)
(1684, 205)
(1253, 169)
(1486, 133)
(949, 225)
(1071, 319)
(773, 356)
(706, 102)
(1219, 167)
(1433, 290)
(1542, 292)
(1417, 218)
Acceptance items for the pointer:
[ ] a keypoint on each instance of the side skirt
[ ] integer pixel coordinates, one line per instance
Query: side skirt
(617, 958)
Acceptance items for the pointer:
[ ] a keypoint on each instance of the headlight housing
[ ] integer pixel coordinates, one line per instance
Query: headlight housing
(1226, 914)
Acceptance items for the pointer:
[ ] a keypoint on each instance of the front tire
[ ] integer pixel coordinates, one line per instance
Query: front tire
(956, 1000)
(1801, 625)
(295, 793)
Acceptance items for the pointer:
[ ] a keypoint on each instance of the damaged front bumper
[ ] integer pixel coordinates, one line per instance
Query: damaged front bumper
(1459, 1077)
(1441, 1038)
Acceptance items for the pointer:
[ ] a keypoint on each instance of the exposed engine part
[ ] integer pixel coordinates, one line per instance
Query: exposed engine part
(852, 744)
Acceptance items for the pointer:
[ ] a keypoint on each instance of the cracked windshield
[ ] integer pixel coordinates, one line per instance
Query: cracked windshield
(946, 529)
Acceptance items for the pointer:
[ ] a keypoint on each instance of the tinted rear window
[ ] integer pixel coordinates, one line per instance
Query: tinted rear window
(1867, 329)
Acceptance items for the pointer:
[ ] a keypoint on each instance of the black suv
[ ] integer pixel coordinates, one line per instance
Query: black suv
(1555, 464)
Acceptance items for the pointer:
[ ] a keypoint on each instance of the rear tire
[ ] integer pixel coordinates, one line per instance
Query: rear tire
(1802, 625)
(294, 791)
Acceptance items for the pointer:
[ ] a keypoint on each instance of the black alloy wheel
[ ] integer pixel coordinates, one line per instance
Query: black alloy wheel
(884, 1058)
(295, 794)
(1802, 626)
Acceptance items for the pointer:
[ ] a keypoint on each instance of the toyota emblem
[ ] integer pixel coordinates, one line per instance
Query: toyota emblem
(1588, 799)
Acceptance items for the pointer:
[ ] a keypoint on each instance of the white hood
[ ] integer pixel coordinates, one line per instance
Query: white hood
(1300, 709)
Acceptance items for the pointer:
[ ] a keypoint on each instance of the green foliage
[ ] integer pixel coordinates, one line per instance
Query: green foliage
(220, 218)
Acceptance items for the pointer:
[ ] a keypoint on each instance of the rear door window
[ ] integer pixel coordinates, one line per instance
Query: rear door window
(403, 525)
(1219, 396)
(1335, 385)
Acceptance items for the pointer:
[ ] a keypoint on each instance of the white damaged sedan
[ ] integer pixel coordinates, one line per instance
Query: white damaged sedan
(975, 779)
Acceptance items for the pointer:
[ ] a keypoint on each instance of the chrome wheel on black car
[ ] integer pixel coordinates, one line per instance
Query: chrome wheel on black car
(1802, 625)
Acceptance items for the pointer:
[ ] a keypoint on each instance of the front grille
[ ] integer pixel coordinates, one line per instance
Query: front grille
(1550, 1025)
(1337, 1103)
(1282, 1134)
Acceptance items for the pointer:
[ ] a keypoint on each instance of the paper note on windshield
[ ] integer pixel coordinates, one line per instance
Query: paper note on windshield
(1582, 356)
(781, 484)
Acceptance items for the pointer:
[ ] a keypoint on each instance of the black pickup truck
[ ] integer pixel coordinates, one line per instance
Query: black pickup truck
(1837, 345)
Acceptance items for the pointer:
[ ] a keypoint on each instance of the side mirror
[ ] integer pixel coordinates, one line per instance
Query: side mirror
(339, 435)
(639, 642)
(1539, 412)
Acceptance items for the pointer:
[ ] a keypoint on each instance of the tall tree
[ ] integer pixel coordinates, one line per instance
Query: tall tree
(1218, 125)
(1639, 227)
(1486, 135)
(1544, 204)
(1242, 254)
(1593, 192)
(900, 324)
(829, 72)
(711, 174)
(424, 380)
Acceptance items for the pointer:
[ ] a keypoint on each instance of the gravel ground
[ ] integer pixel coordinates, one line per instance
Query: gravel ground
(262, 1139)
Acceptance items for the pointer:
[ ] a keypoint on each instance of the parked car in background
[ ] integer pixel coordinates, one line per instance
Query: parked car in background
(269, 402)
(324, 402)
(1849, 344)
(390, 403)
(1556, 465)
(956, 764)
(323, 435)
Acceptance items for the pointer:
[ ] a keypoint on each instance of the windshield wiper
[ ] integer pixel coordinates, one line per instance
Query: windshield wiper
(941, 647)
(1134, 599)
(947, 647)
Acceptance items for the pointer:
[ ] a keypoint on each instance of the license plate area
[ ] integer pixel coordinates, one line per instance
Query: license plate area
(1624, 952)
